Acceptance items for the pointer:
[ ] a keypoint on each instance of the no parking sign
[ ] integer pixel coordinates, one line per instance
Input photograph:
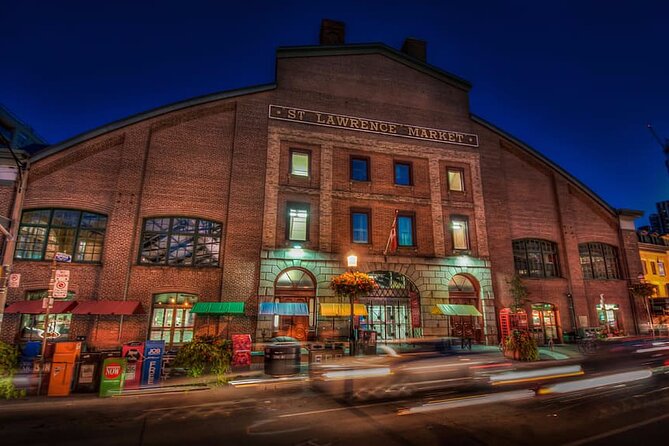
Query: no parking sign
(61, 281)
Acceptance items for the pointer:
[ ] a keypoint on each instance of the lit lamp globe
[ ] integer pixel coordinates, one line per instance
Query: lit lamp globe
(352, 261)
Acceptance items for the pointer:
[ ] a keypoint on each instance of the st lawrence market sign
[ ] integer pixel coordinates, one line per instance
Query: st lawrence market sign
(372, 126)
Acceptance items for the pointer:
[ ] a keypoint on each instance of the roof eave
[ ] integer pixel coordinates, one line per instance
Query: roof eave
(536, 154)
(115, 125)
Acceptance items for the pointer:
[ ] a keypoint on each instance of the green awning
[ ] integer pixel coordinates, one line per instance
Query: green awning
(456, 310)
(218, 308)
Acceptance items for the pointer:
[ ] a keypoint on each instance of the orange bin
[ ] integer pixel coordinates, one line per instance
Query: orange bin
(62, 368)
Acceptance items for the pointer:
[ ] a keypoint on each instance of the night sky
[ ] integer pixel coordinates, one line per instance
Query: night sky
(576, 80)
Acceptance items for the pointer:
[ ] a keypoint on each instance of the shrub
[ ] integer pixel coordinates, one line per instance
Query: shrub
(523, 344)
(205, 353)
(9, 362)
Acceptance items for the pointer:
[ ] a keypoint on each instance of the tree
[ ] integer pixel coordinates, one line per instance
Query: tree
(519, 292)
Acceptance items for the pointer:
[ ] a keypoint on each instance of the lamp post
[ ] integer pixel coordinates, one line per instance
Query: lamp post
(351, 262)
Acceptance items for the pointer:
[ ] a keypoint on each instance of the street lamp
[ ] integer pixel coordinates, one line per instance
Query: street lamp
(351, 262)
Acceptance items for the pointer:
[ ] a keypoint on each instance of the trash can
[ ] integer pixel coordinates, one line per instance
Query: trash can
(282, 359)
(88, 374)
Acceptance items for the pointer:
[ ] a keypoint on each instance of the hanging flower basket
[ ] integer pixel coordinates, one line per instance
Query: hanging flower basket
(352, 284)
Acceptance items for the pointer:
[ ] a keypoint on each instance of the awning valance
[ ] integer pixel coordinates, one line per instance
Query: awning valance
(35, 307)
(117, 307)
(216, 308)
(343, 310)
(284, 308)
(456, 310)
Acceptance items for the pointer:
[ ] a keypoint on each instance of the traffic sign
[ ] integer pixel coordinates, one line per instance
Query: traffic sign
(62, 257)
(14, 280)
(60, 284)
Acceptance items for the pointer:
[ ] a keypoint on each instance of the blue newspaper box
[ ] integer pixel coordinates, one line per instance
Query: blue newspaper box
(153, 357)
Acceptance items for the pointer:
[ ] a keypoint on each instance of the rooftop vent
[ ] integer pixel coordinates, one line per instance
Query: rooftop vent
(332, 32)
(415, 48)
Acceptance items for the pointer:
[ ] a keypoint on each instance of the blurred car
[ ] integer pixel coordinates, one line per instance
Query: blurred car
(405, 369)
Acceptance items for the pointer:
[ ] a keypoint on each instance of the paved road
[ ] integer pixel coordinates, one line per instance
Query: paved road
(295, 415)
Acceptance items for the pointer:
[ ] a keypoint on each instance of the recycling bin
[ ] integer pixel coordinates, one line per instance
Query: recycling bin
(65, 357)
(88, 373)
(282, 359)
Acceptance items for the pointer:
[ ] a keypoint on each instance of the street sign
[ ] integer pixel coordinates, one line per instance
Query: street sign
(60, 284)
(14, 280)
(62, 257)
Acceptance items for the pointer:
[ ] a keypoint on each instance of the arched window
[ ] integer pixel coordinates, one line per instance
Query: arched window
(44, 232)
(180, 241)
(535, 258)
(295, 279)
(599, 261)
(462, 284)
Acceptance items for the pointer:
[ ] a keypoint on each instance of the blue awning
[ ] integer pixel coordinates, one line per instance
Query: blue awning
(284, 308)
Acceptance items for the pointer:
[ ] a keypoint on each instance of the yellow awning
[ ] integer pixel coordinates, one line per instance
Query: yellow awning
(456, 310)
(343, 310)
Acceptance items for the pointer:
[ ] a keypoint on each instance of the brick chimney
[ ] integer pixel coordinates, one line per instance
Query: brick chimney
(332, 32)
(415, 48)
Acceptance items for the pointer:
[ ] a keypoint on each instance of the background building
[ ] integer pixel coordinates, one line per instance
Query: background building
(251, 200)
(654, 253)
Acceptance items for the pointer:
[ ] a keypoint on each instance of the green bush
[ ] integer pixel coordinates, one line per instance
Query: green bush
(205, 354)
(9, 362)
(523, 343)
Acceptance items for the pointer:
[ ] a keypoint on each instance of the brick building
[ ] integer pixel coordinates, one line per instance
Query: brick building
(252, 200)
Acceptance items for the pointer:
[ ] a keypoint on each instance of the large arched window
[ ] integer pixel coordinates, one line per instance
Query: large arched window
(535, 258)
(44, 232)
(180, 241)
(599, 261)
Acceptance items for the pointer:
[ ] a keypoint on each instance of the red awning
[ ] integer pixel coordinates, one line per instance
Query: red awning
(120, 307)
(35, 307)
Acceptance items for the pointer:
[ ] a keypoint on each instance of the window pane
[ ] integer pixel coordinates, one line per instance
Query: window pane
(300, 164)
(157, 224)
(158, 316)
(156, 335)
(297, 220)
(520, 258)
(586, 262)
(60, 240)
(187, 336)
(40, 217)
(455, 180)
(30, 242)
(94, 221)
(181, 250)
(360, 227)
(183, 225)
(660, 268)
(169, 313)
(597, 257)
(89, 246)
(65, 218)
(460, 234)
(207, 251)
(359, 169)
(154, 248)
(405, 231)
(402, 174)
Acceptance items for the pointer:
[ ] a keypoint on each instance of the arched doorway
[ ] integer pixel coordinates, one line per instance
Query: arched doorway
(545, 323)
(295, 285)
(464, 291)
(393, 309)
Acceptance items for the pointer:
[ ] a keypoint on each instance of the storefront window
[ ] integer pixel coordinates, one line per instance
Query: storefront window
(171, 319)
(32, 325)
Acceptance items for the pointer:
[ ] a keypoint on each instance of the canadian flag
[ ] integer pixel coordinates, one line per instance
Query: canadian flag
(391, 244)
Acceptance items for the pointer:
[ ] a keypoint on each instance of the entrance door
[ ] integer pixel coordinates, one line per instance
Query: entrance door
(295, 286)
(462, 291)
(544, 323)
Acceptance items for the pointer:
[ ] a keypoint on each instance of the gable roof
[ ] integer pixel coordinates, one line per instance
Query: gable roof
(375, 48)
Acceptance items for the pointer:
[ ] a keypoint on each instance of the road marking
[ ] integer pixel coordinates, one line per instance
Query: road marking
(282, 431)
(620, 430)
(337, 409)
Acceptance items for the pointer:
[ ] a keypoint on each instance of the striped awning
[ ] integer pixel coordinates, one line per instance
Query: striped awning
(343, 310)
(456, 310)
(284, 308)
(218, 308)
